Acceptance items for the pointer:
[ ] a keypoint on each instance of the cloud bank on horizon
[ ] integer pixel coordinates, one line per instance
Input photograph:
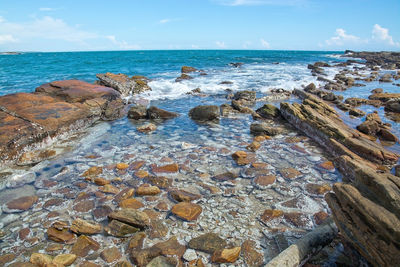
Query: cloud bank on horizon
(212, 24)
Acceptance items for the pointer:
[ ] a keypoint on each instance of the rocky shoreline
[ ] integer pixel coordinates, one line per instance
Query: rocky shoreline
(156, 204)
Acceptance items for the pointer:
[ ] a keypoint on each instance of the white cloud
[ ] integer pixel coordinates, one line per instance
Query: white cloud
(163, 21)
(7, 38)
(265, 44)
(122, 44)
(2, 19)
(381, 34)
(260, 2)
(220, 44)
(342, 38)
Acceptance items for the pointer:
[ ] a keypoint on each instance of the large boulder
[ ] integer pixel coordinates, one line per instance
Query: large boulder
(205, 113)
(123, 83)
(55, 108)
(158, 113)
(269, 111)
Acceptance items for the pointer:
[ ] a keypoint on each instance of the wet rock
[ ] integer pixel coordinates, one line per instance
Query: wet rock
(160, 181)
(264, 129)
(147, 128)
(393, 105)
(169, 168)
(160, 261)
(250, 254)
(132, 217)
(34, 157)
(205, 113)
(187, 211)
(208, 243)
(321, 122)
(122, 166)
(254, 146)
(320, 217)
(397, 170)
(136, 242)
(327, 165)
(171, 247)
(84, 245)
(147, 190)
(101, 181)
(137, 112)
(62, 236)
(190, 255)
(183, 196)
(268, 111)
(226, 176)
(110, 254)
(377, 91)
(236, 64)
(187, 69)
(40, 259)
(131, 203)
(123, 264)
(245, 98)
(101, 212)
(269, 215)
(356, 112)
(124, 194)
(386, 135)
(240, 157)
(318, 189)
(93, 171)
(81, 226)
(228, 110)
(183, 77)
(123, 84)
(158, 229)
(227, 255)
(157, 113)
(265, 180)
(84, 205)
(6, 258)
(20, 204)
(384, 97)
(386, 78)
(297, 219)
(290, 173)
(88, 264)
(64, 259)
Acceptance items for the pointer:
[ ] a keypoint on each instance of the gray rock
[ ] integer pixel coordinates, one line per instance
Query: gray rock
(137, 112)
(263, 128)
(205, 113)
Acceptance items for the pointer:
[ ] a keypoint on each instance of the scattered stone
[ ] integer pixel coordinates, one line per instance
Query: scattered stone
(183, 196)
(136, 242)
(297, 219)
(110, 254)
(132, 217)
(147, 190)
(269, 215)
(93, 171)
(183, 77)
(208, 243)
(101, 181)
(84, 205)
(190, 255)
(245, 98)
(101, 212)
(254, 146)
(122, 166)
(320, 217)
(84, 245)
(124, 194)
(157, 113)
(356, 112)
(80, 226)
(187, 211)
(327, 165)
(64, 259)
(227, 255)
(240, 157)
(205, 113)
(318, 189)
(148, 127)
(160, 181)
(265, 180)
(62, 236)
(137, 112)
(290, 173)
(250, 254)
(20, 204)
(123, 84)
(6, 258)
(226, 176)
(40, 259)
(131, 203)
(169, 168)
(160, 261)
(264, 129)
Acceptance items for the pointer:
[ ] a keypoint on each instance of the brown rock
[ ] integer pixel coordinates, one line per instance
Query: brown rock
(297, 219)
(250, 254)
(141, 174)
(147, 190)
(84, 245)
(101, 212)
(227, 255)
(290, 173)
(170, 168)
(110, 254)
(6, 258)
(120, 229)
(122, 166)
(123, 264)
(160, 181)
(80, 226)
(384, 96)
(131, 203)
(93, 171)
(225, 176)
(101, 181)
(136, 242)
(318, 189)
(171, 247)
(132, 217)
(53, 202)
(327, 165)
(208, 243)
(320, 217)
(84, 206)
(187, 69)
(187, 211)
(136, 165)
(162, 206)
(40, 259)
(88, 264)
(64, 259)
(269, 215)
(254, 146)
(158, 229)
(183, 196)
(109, 189)
(146, 128)
(21, 204)
(124, 194)
(240, 157)
(62, 236)
(24, 233)
(265, 180)
(157, 113)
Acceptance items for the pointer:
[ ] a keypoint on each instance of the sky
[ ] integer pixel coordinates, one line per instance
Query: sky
(88, 25)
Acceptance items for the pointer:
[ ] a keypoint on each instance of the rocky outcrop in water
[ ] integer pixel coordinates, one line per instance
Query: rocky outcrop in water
(124, 84)
(55, 108)
(387, 60)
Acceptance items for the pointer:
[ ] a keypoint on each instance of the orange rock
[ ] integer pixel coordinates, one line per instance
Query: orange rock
(122, 166)
(108, 188)
(93, 171)
(259, 165)
(187, 210)
(124, 194)
(320, 217)
(131, 203)
(83, 245)
(240, 157)
(61, 236)
(136, 165)
(147, 190)
(162, 206)
(290, 173)
(254, 146)
(270, 215)
(101, 181)
(327, 165)
(170, 168)
(110, 254)
(141, 174)
(265, 180)
(318, 189)
(227, 255)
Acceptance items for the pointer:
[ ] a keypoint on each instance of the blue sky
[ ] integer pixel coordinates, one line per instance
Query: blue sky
(40, 25)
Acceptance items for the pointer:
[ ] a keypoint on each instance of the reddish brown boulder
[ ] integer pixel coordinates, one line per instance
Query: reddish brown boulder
(187, 211)
(183, 196)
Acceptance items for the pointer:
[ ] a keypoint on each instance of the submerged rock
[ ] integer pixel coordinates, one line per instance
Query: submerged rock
(157, 113)
(209, 243)
(187, 69)
(183, 77)
(187, 211)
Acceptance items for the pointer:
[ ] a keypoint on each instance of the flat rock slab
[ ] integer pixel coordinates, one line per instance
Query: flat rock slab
(57, 107)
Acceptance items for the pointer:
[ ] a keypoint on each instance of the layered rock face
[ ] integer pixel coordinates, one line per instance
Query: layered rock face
(124, 84)
(366, 208)
(55, 108)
